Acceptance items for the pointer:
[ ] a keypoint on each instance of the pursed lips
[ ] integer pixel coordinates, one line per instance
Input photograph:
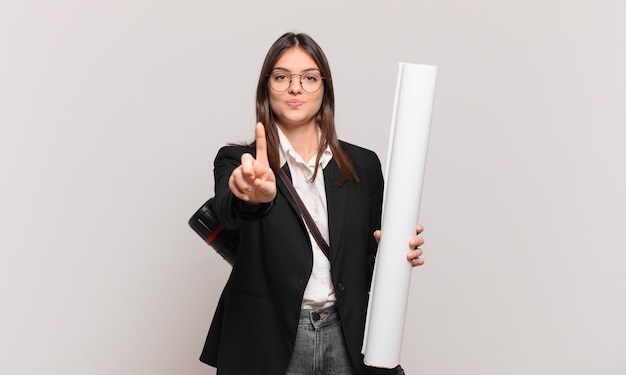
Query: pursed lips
(294, 103)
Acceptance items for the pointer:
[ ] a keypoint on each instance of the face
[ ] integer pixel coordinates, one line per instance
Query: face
(295, 107)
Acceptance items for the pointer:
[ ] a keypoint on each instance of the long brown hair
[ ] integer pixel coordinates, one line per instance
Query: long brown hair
(325, 118)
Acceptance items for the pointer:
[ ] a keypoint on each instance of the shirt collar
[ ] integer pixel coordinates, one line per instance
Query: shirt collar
(287, 151)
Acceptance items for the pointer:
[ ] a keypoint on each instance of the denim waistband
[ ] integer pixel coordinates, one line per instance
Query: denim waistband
(319, 317)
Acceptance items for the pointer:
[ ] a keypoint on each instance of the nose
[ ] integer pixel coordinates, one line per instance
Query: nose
(295, 85)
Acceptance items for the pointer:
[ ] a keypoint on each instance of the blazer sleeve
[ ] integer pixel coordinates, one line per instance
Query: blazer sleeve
(376, 183)
(368, 168)
(227, 206)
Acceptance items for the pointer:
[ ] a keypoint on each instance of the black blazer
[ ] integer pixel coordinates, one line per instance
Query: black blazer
(254, 326)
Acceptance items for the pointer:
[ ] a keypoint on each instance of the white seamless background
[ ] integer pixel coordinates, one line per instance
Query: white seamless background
(111, 113)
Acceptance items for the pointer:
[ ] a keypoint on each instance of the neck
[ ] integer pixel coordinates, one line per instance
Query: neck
(304, 140)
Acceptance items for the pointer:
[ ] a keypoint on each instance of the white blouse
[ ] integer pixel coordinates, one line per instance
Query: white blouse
(319, 291)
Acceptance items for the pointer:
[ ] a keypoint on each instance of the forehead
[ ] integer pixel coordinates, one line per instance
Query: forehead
(296, 59)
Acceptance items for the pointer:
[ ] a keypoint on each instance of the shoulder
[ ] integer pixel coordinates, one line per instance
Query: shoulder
(231, 154)
(366, 164)
(234, 151)
(360, 156)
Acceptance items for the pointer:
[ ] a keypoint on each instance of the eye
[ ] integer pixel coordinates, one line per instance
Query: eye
(311, 77)
(280, 76)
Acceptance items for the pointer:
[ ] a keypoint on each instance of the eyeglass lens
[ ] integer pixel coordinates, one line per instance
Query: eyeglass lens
(309, 81)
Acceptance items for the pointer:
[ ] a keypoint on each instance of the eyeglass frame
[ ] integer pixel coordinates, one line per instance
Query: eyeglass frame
(267, 76)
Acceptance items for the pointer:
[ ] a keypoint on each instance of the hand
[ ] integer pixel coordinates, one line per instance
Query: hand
(415, 252)
(254, 181)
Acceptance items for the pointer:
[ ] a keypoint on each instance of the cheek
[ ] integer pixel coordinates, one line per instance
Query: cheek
(273, 101)
(318, 104)
(317, 98)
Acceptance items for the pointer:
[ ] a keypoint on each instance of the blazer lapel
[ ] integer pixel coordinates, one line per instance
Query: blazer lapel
(336, 199)
(285, 192)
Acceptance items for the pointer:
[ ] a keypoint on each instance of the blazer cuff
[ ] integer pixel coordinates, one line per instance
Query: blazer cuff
(252, 211)
(398, 370)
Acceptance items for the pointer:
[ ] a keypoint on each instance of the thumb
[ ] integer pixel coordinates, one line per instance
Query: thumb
(377, 235)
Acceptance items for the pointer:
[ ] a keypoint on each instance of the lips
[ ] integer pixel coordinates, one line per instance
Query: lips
(294, 103)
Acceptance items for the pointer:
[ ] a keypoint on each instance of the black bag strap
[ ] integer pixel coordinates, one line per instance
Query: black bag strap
(317, 235)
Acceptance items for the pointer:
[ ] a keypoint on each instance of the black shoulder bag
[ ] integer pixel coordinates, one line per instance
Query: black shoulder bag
(224, 241)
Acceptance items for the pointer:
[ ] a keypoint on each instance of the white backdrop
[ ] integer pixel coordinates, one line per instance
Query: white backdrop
(111, 113)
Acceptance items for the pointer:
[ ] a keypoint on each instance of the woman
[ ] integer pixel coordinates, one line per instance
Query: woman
(289, 308)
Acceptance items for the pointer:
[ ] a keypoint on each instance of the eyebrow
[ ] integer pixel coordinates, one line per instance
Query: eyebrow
(303, 71)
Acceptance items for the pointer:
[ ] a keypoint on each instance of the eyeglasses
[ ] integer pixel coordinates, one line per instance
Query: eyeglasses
(310, 82)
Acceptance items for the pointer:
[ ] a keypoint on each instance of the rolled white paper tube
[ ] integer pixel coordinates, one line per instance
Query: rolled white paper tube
(404, 177)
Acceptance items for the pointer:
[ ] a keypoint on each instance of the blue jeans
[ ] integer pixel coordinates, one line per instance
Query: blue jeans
(320, 348)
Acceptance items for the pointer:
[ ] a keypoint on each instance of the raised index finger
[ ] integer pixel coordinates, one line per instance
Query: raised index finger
(261, 143)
